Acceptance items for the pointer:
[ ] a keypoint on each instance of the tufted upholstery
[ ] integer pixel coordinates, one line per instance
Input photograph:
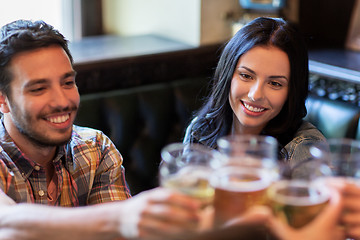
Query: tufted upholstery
(140, 121)
(334, 119)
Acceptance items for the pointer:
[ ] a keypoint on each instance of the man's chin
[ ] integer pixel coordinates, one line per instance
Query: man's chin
(61, 140)
(50, 141)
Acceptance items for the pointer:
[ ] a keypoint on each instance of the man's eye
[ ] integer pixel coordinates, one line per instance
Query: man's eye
(69, 84)
(36, 90)
(70, 80)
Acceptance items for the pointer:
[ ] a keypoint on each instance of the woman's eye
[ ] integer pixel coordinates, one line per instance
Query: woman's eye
(245, 76)
(275, 84)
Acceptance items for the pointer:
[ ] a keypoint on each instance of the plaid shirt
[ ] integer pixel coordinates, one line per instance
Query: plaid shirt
(88, 169)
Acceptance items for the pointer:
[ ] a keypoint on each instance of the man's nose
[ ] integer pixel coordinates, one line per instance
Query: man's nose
(59, 98)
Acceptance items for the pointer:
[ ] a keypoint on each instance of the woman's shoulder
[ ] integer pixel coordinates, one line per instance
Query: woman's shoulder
(306, 135)
(297, 149)
(308, 131)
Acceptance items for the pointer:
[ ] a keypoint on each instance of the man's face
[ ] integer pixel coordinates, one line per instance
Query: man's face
(44, 97)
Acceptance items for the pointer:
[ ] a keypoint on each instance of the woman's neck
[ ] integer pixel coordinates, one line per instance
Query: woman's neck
(239, 129)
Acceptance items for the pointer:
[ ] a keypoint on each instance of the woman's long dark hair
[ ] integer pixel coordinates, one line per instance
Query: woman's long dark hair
(215, 118)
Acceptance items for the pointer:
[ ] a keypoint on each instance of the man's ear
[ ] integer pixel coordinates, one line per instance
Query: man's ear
(4, 108)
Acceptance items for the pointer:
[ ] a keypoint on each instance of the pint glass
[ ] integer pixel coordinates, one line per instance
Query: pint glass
(238, 188)
(187, 167)
(253, 151)
(298, 202)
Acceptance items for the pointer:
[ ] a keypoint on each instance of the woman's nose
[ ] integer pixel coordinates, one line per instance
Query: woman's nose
(256, 91)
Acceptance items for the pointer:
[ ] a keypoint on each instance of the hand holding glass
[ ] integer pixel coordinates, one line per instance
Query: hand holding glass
(187, 167)
(237, 189)
(298, 202)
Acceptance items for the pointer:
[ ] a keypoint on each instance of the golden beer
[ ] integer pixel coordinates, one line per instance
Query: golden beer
(193, 181)
(237, 189)
(297, 202)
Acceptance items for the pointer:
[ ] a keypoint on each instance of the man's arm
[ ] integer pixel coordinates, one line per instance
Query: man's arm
(156, 214)
(5, 200)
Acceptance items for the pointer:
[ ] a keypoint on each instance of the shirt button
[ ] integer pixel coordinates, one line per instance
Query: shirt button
(41, 193)
(37, 167)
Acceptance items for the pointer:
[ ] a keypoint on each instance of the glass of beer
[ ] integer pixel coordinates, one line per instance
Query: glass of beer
(250, 151)
(238, 188)
(187, 167)
(344, 156)
(298, 202)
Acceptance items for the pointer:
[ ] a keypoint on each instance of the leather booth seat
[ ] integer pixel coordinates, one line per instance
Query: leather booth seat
(142, 120)
(335, 119)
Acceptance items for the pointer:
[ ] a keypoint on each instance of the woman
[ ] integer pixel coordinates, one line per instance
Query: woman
(259, 87)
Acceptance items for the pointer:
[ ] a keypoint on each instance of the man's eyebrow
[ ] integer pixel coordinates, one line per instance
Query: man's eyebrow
(70, 74)
(35, 81)
(44, 80)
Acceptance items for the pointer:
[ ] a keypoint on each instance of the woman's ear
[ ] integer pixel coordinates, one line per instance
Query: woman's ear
(4, 108)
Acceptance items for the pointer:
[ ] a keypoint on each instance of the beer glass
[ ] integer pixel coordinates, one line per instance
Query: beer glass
(250, 151)
(187, 167)
(297, 202)
(344, 156)
(238, 188)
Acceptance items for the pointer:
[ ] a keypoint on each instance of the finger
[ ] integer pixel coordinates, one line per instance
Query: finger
(171, 213)
(255, 215)
(350, 218)
(160, 229)
(351, 203)
(352, 232)
(330, 215)
(280, 229)
(351, 189)
(337, 183)
(169, 196)
(326, 222)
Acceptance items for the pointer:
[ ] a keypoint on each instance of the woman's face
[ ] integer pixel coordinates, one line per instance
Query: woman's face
(259, 88)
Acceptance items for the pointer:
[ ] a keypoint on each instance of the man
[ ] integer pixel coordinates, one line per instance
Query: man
(47, 162)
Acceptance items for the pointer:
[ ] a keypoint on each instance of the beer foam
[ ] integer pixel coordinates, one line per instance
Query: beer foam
(241, 179)
(314, 193)
(245, 186)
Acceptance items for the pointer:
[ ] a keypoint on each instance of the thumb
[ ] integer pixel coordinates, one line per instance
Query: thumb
(329, 216)
(325, 222)
(254, 216)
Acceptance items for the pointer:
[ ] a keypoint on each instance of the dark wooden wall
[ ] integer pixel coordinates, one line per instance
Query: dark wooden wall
(325, 22)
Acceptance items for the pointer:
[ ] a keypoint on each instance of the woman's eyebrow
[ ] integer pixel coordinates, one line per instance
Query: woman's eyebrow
(274, 76)
(250, 70)
(279, 76)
